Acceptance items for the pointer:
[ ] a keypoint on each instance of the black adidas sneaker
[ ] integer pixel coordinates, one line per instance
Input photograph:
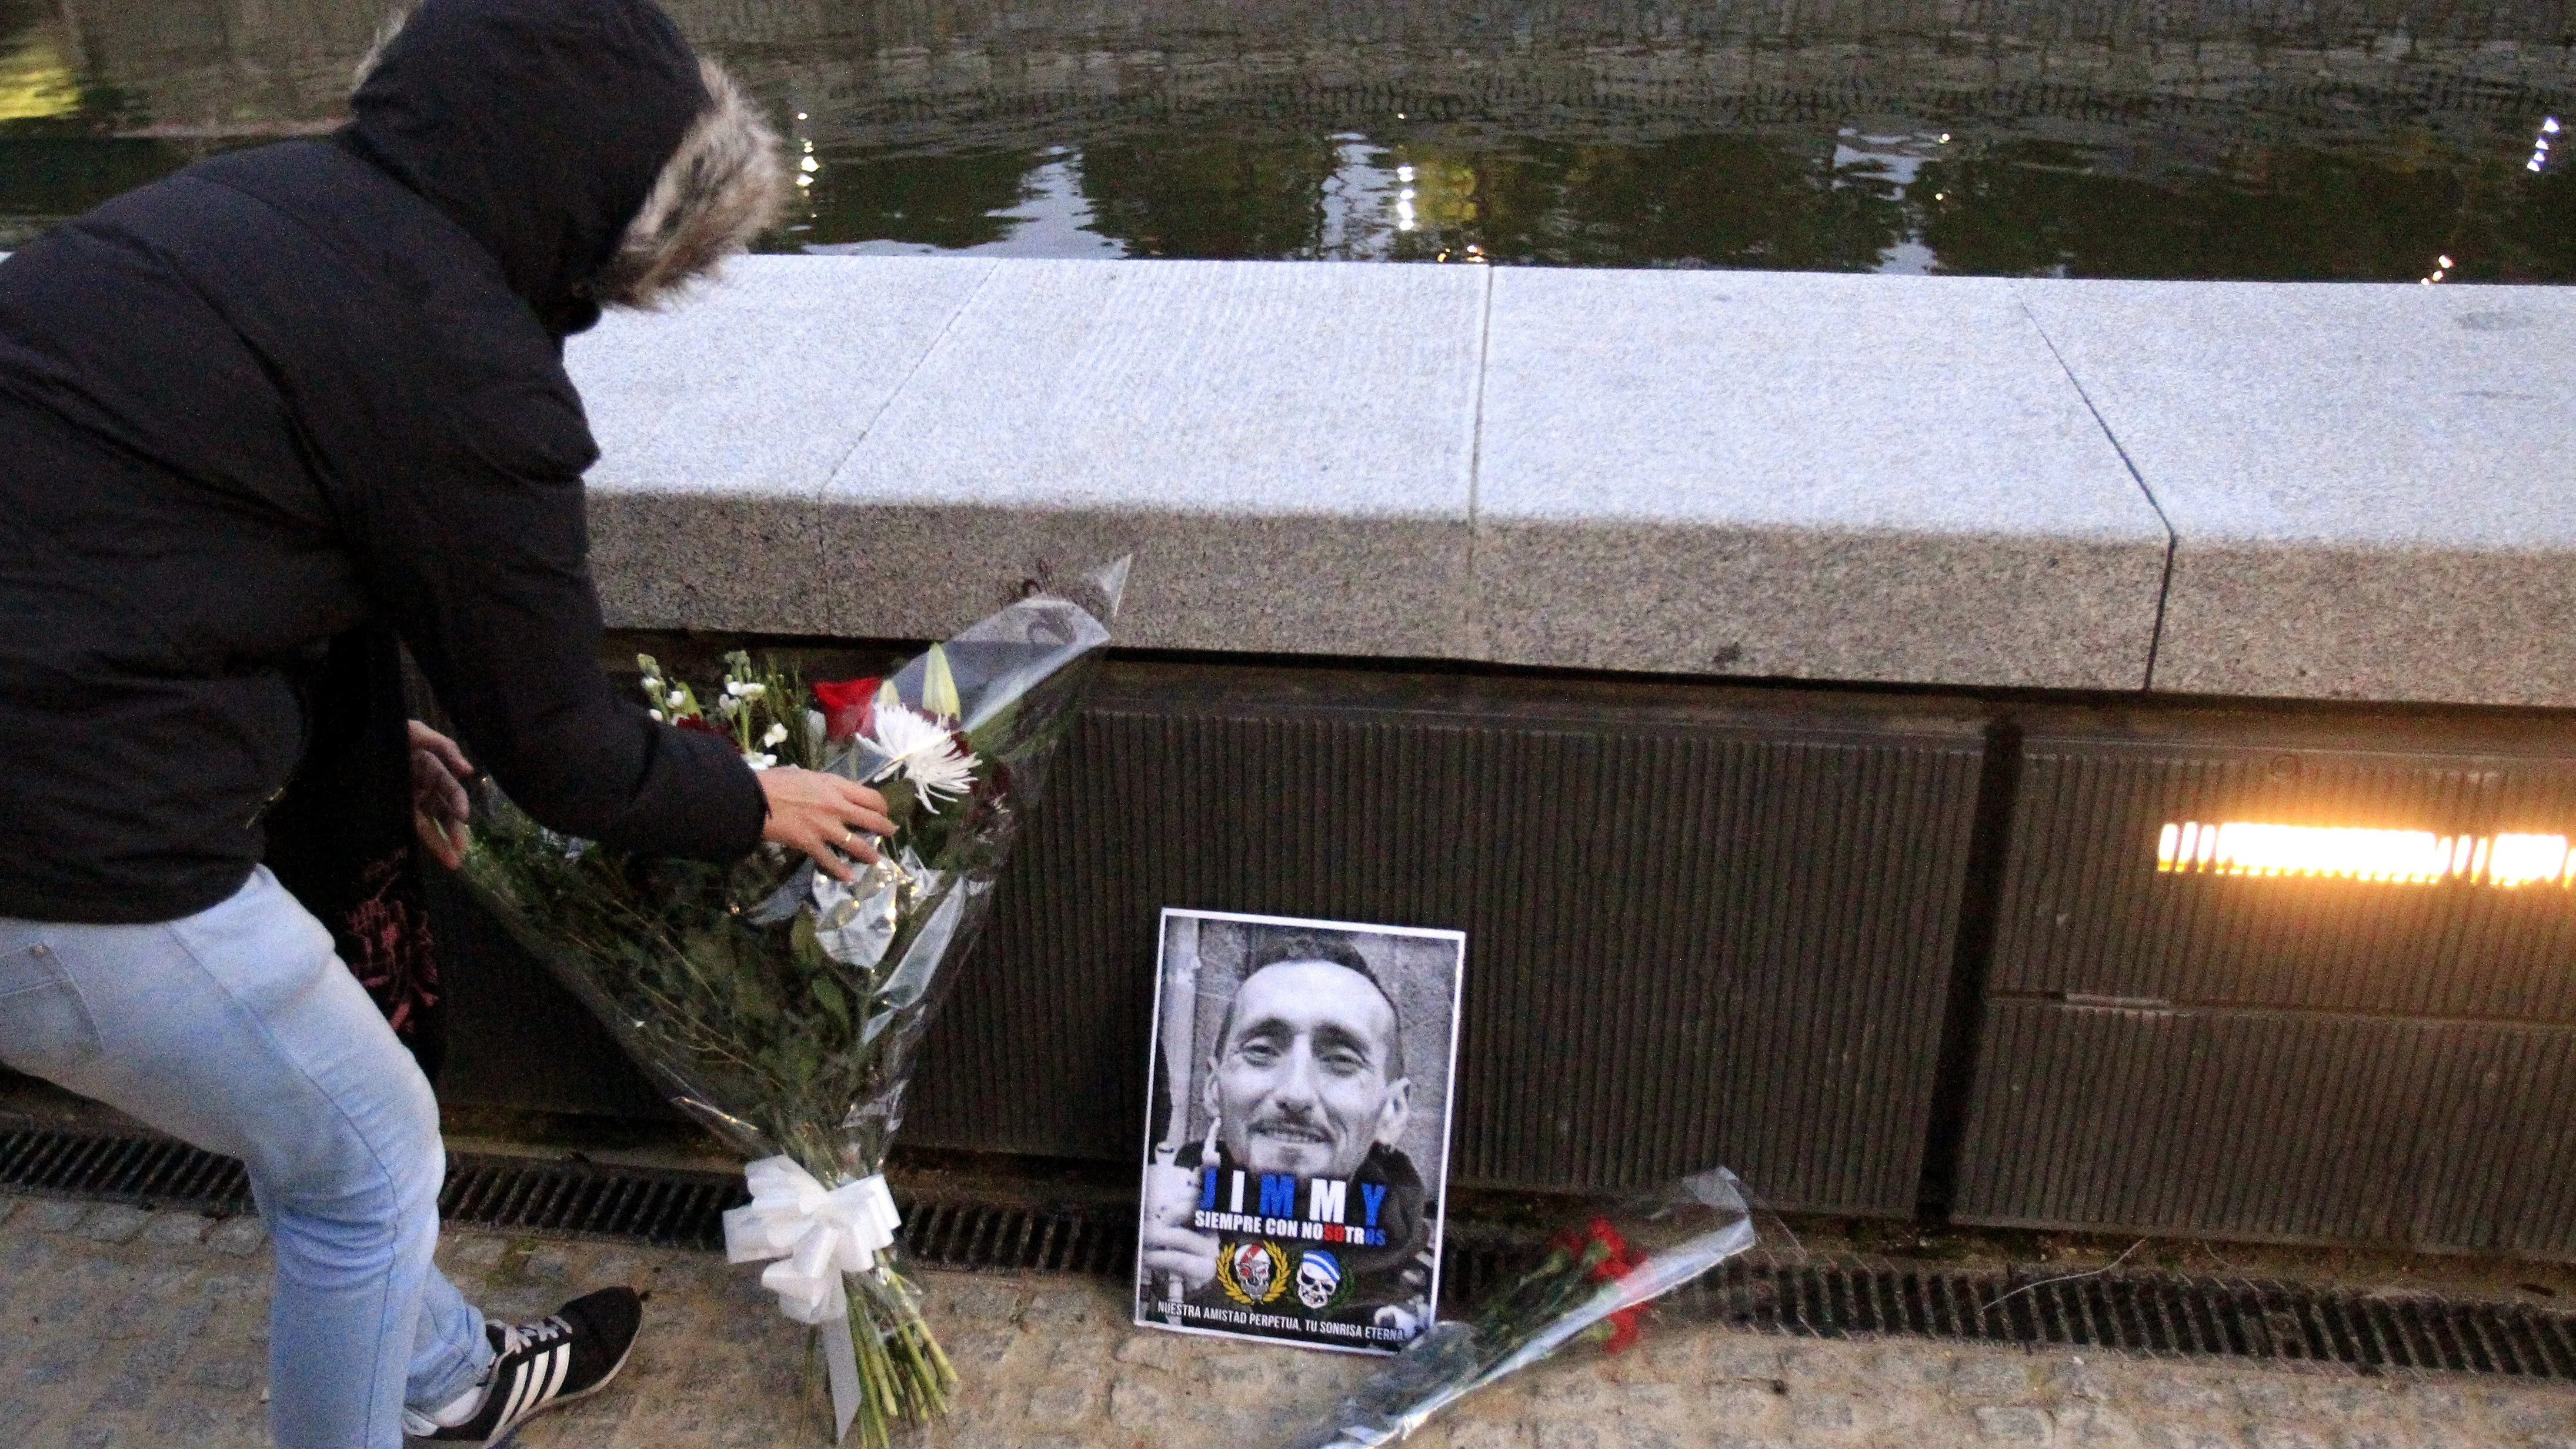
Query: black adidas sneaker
(541, 1365)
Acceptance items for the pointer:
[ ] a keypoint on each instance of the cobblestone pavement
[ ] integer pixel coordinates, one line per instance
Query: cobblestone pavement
(121, 1328)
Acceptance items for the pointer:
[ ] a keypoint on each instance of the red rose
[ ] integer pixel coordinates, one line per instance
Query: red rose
(849, 706)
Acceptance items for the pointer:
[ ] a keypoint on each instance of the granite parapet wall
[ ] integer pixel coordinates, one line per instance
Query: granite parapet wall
(2329, 492)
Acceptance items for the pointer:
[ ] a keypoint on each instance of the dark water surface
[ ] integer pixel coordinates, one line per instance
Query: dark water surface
(2325, 139)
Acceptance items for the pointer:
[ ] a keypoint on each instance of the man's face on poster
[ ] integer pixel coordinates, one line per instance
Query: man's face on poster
(1303, 1080)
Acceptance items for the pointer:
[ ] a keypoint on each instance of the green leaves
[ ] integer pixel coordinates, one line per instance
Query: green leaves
(833, 1001)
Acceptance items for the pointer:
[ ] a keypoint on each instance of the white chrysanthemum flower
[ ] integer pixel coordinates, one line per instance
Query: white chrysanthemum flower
(777, 735)
(925, 751)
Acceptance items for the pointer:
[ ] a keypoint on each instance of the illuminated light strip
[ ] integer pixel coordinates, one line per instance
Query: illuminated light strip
(2398, 857)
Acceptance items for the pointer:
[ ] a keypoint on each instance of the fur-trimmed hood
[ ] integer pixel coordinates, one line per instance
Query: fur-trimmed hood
(579, 140)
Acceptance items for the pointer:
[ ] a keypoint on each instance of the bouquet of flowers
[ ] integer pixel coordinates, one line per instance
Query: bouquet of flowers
(1592, 1286)
(780, 1006)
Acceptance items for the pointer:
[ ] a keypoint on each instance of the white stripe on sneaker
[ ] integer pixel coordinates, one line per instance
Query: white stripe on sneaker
(563, 1365)
(510, 1406)
(545, 1374)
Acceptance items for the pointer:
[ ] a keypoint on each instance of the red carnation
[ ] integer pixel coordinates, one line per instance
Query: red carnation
(849, 706)
(1623, 1331)
(1612, 1259)
(1619, 1263)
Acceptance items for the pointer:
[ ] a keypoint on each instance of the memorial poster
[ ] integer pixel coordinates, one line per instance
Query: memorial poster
(1297, 1140)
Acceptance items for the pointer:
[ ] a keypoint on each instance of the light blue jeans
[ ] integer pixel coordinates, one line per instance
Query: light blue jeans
(237, 1029)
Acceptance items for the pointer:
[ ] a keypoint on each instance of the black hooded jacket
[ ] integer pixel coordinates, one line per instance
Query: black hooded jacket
(312, 394)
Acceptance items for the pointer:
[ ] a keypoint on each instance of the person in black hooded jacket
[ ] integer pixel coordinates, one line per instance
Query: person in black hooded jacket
(262, 425)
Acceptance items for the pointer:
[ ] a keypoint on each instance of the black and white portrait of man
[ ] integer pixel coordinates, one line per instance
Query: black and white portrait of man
(1300, 1129)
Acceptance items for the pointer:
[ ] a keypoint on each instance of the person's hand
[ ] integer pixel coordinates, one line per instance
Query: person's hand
(439, 805)
(823, 816)
(1172, 1251)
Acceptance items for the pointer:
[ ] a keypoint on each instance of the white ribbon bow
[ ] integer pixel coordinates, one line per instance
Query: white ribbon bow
(818, 1235)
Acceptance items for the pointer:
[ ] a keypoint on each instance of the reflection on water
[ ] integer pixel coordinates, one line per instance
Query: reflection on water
(2133, 138)
(1994, 205)
(996, 203)
(36, 79)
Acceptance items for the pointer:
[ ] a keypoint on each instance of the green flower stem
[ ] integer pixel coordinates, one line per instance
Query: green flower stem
(904, 1376)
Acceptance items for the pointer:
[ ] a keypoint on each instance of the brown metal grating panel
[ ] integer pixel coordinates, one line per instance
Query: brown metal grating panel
(2300, 1126)
(1701, 928)
(2308, 1059)
(2085, 911)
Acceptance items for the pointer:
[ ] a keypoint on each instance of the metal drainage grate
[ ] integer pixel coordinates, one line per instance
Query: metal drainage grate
(2144, 1313)
(1020, 1239)
(2134, 1312)
(151, 1172)
(664, 1209)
